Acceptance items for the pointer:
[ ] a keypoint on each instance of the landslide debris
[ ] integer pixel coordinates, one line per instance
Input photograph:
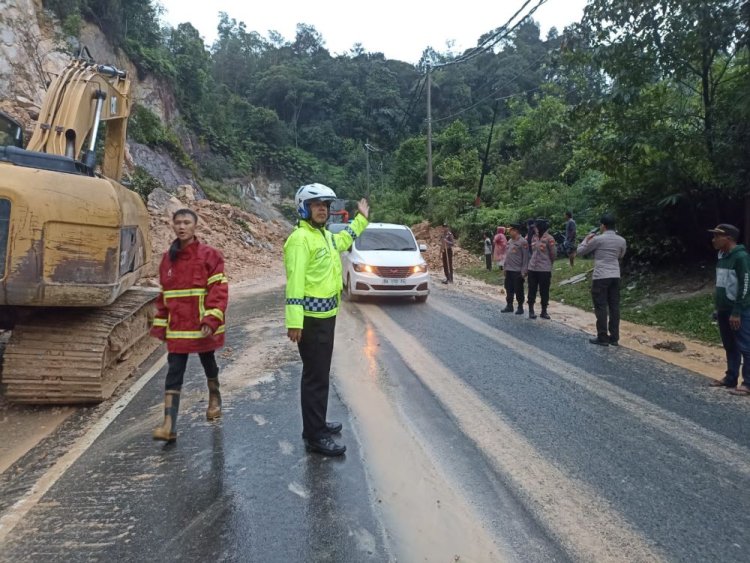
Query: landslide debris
(425, 233)
(252, 247)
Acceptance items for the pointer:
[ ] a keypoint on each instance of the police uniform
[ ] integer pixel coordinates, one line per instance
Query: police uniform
(313, 291)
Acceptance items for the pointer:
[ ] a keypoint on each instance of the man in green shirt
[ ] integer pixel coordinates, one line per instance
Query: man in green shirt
(313, 291)
(732, 300)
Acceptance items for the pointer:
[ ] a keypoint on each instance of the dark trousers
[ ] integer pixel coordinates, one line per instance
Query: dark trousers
(542, 281)
(316, 350)
(513, 286)
(177, 364)
(488, 261)
(736, 346)
(448, 263)
(606, 296)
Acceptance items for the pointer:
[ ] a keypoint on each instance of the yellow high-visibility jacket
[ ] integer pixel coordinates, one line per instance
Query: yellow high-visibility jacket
(313, 270)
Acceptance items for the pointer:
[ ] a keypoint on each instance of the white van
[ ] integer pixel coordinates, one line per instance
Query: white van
(385, 260)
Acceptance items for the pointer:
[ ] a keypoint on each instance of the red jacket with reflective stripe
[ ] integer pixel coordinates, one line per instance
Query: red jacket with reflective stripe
(194, 292)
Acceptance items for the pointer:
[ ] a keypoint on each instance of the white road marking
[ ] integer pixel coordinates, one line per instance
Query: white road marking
(714, 446)
(298, 490)
(18, 511)
(582, 521)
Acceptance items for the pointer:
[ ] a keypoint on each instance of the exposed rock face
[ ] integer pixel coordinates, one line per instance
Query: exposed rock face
(160, 165)
(31, 49)
(28, 50)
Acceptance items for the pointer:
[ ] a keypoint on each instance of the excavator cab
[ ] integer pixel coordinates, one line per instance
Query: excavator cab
(11, 132)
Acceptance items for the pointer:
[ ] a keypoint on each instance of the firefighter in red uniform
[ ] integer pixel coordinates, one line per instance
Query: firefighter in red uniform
(190, 316)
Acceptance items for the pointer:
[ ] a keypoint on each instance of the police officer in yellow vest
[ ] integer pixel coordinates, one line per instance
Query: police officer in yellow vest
(313, 291)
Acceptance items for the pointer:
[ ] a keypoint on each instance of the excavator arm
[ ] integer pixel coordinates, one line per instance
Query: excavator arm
(81, 97)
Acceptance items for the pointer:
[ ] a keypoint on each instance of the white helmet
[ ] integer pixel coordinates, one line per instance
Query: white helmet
(312, 192)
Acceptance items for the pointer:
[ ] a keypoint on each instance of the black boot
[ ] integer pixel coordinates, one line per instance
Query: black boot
(334, 427)
(167, 432)
(325, 445)
(519, 311)
(508, 308)
(544, 314)
(532, 314)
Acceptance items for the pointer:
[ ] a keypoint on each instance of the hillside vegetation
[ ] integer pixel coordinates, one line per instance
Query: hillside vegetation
(640, 109)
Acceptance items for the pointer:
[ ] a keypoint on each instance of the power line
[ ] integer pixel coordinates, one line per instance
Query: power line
(491, 94)
(503, 32)
(412, 103)
(508, 97)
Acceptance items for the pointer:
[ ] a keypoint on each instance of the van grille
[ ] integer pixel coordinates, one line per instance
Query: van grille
(392, 271)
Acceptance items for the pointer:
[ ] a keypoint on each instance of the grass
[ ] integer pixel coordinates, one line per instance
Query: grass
(668, 300)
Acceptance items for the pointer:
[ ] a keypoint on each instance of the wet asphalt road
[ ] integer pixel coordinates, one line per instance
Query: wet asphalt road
(239, 489)
(602, 454)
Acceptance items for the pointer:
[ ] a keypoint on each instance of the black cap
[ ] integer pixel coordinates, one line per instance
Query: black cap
(516, 226)
(726, 229)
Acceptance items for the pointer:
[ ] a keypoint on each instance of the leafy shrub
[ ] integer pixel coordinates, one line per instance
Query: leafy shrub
(145, 127)
(143, 183)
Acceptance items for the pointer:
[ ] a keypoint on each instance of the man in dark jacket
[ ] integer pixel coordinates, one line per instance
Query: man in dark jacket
(732, 299)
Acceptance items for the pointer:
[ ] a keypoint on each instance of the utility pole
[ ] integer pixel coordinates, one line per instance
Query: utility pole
(429, 128)
(367, 167)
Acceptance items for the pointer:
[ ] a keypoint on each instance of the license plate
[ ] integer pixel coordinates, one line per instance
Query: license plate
(394, 281)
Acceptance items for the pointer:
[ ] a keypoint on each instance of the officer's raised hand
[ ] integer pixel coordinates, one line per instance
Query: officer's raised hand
(363, 207)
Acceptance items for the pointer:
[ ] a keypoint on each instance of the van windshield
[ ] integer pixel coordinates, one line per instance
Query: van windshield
(385, 239)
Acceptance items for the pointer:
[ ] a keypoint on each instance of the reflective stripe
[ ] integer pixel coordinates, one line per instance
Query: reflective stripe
(215, 313)
(217, 278)
(192, 334)
(351, 232)
(160, 322)
(184, 293)
(319, 304)
(333, 239)
(315, 304)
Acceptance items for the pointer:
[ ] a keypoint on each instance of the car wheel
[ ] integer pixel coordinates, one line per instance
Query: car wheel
(348, 293)
(421, 298)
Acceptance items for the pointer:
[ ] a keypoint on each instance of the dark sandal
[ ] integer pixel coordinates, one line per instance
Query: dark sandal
(742, 390)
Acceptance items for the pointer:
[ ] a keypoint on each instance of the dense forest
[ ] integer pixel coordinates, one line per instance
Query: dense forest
(641, 109)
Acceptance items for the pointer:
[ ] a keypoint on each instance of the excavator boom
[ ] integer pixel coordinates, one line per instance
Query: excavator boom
(73, 242)
(81, 97)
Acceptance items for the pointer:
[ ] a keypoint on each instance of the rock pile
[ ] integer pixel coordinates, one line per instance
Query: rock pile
(429, 235)
(252, 248)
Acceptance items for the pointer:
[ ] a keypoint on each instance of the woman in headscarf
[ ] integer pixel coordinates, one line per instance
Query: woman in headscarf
(501, 245)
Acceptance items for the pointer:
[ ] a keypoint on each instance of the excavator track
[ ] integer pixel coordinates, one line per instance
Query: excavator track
(69, 356)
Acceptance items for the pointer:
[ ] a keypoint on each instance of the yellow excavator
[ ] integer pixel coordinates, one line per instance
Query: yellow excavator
(73, 242)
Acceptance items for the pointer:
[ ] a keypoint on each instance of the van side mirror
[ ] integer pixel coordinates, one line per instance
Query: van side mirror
(423, 247)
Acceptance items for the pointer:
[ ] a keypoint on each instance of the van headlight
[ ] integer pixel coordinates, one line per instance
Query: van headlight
(419, 269)
(362, 268)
